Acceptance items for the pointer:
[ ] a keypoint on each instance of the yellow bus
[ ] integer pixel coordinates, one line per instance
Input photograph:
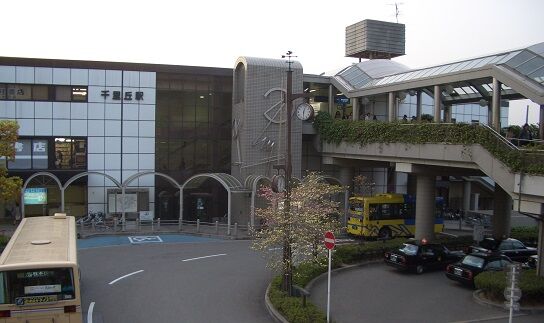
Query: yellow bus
(39, 273)
(387, 215)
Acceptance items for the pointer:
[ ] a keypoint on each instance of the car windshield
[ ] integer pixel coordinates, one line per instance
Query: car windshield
(473, 261)
(409, 249)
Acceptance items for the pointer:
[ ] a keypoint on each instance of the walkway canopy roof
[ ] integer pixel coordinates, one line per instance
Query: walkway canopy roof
(228, 181)
(521, 73)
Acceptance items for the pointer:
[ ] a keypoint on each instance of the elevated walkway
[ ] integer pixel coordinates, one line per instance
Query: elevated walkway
(450, 160)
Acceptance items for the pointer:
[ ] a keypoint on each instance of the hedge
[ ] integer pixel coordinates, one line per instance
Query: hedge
(527, 235)
(493, 284)
(364, 132)
(291, 307)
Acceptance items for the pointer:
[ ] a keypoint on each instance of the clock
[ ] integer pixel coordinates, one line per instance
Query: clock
(305, 111)
(278, 183)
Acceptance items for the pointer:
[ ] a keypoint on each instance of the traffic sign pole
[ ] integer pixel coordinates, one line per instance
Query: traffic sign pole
(329, 241)
(329, 288)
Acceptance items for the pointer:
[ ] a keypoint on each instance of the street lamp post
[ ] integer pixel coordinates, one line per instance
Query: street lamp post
(289, 98)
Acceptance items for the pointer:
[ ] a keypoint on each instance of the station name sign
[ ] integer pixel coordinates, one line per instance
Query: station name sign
(127, 95)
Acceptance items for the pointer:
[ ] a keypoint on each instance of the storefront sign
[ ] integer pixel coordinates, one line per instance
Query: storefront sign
(35, 196)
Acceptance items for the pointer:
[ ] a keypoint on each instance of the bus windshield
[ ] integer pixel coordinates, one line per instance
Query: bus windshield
(356, 206)
(26, 287)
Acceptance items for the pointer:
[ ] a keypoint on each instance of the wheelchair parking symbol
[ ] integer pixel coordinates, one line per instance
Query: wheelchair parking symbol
(144, 239)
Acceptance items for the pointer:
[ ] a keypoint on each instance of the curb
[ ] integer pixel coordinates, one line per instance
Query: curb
(478, 298)
(276, 315)
(271, 309)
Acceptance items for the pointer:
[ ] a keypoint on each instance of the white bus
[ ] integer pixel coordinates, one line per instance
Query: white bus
(39, 273)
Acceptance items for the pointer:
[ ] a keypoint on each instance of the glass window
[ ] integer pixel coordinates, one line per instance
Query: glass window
(24, 286)
(409, 249)
(79, 94)
(518, 245)
(70, 153)
(473, 261)
(356, 206)
(427, 251)
(19, 92)
(520, 58)
(39, 154)
(23, 155)
(506, 245)
(40, 92)
(63, 93)
(494, 265)
(537, 75)
(3, 91)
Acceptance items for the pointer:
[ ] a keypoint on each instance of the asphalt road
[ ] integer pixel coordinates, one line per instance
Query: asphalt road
(220, 281)
(377, 293)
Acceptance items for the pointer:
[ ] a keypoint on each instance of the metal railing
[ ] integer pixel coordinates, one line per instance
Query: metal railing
(117, 226)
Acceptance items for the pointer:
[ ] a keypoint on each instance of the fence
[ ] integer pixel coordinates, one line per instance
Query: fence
(117, 226)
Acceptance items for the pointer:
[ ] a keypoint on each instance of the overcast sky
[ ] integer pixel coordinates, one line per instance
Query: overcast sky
(216, 33)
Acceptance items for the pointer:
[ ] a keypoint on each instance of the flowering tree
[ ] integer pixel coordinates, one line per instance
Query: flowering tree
(9, 186)
(296, 228)
(363, 186)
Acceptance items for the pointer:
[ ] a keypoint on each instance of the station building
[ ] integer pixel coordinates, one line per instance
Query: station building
(215, 134)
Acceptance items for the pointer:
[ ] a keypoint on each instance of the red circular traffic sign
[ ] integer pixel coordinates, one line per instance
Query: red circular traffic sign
(329, 240)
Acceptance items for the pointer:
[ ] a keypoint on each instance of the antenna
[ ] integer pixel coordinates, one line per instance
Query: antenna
(397, 9)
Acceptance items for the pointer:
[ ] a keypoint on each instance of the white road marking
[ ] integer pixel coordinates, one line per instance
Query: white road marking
(144, 239)
(90, 313)
(190, 259)
(275, 249)
(118, 279)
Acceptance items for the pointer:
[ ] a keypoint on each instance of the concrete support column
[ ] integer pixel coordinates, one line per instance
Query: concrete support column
(391, 107)
(437, 103)
(419, 105)
(466, 196)
(476, 201)
(346, 176)
(496, 106)
(425, 207)
(355, 108)
(541, 123)
(502, 212)
(331, 100)
(447, 113)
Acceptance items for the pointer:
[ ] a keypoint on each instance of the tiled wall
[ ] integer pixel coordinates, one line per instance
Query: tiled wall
(121, 133)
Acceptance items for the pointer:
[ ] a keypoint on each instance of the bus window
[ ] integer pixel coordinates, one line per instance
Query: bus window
(386, 211)
(373, 211)
(27, 287)
(356, 206)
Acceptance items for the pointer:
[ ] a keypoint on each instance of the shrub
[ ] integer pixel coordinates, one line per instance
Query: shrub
(291, 307)
(527, 235)
(307, 271)
(493, 284)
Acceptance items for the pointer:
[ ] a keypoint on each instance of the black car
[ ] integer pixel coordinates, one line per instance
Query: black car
(419, 256)
(531, 262)
(514, 249)
(473, 264)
